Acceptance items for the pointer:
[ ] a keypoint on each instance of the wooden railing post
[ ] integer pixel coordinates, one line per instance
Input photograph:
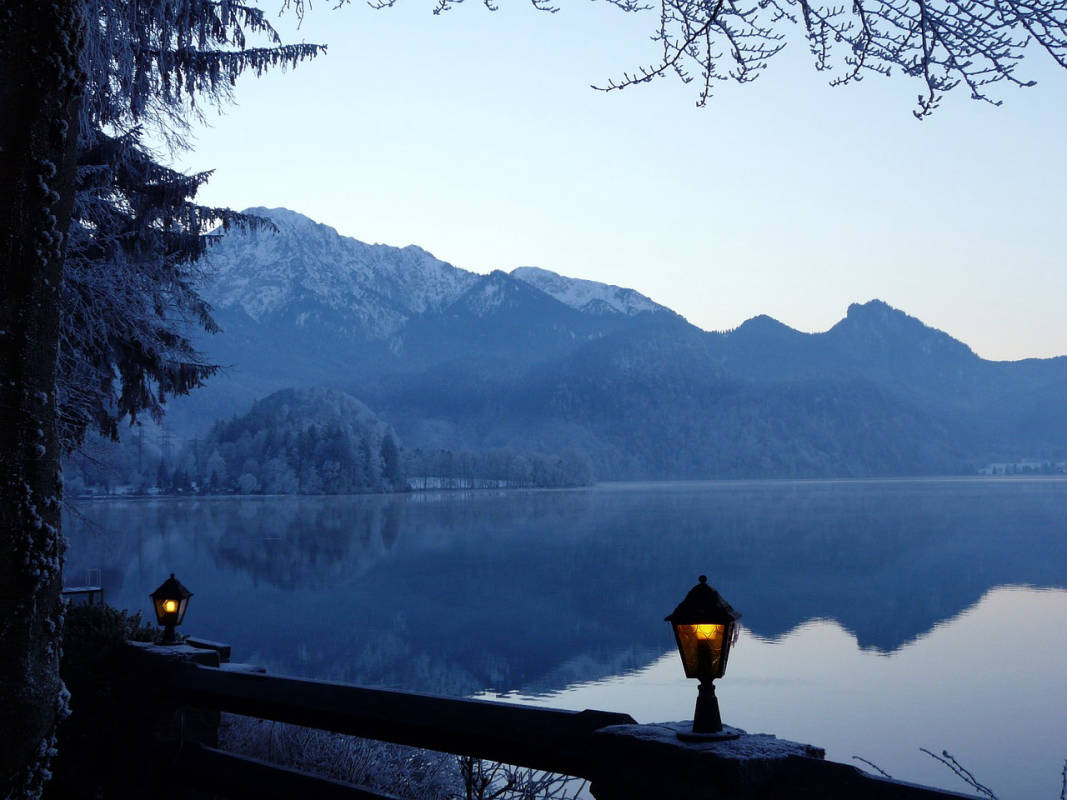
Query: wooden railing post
(150, 726)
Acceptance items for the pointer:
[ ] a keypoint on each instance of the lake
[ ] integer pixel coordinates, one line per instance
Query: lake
(878, 616)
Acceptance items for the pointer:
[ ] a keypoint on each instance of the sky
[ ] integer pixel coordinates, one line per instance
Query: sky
(476, 136)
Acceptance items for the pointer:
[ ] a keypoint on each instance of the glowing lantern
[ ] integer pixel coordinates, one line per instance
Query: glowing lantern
(170, 601)
(705, 627)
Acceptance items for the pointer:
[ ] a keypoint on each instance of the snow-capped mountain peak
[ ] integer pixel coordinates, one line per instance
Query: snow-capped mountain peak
(587, 296)
(308, 274)
(309, 263)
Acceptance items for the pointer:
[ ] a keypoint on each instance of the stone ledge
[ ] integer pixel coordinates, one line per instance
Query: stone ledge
(650, 762)
(176, 653)
(237, 666)
(746, 746)
(221, 648)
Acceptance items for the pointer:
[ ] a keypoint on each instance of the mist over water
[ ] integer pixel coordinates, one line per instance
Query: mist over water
(879, 616)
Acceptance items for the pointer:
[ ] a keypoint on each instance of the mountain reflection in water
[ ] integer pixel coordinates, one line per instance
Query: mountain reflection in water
(560, 595)
(532, 590)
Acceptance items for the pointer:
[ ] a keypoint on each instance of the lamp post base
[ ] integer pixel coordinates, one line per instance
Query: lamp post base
(707, 724)
(725, 735)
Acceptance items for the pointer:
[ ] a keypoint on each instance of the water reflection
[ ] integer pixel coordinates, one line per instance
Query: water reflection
(1000, 715)
(536, 590)
(560, 597)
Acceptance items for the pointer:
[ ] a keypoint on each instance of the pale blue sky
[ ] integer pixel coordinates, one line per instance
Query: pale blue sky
(476, 136)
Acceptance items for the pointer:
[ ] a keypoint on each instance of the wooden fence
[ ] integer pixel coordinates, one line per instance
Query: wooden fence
(620, 759)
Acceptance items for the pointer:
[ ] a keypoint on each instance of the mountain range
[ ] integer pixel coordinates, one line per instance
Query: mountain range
(535, 360)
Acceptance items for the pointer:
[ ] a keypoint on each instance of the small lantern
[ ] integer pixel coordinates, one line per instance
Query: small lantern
(705, 627)
(170, 601)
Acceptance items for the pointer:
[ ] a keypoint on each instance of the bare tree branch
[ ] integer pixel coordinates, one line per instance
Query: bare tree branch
(941, 43)
(962, 772)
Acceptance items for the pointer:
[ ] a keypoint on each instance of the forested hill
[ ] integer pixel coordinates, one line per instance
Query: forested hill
(308, 441)
(542, 363)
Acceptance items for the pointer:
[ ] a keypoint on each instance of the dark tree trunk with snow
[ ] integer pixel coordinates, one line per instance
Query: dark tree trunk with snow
(40, 88)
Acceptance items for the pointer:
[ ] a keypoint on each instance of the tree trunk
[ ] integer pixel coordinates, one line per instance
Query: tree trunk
(40, 92)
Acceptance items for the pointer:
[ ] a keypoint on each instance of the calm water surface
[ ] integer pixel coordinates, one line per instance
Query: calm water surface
(879, 617)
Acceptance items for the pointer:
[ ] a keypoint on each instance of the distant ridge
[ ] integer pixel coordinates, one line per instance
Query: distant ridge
(541, 362)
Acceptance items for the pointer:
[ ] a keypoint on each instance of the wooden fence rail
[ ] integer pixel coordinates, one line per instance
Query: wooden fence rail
(540, 738)
(621, 759)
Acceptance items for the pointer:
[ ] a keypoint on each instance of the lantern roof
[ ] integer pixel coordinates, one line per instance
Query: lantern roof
(703, 605)
(171, 587)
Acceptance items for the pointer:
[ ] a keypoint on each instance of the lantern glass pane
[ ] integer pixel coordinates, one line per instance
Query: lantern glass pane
(165, 614)
(701, 647)
(182, 605)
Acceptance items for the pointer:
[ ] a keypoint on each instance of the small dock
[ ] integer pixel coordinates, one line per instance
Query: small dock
(83, 595)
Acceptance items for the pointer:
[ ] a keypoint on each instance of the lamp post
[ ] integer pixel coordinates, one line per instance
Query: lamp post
(705, 627)
(170, 601)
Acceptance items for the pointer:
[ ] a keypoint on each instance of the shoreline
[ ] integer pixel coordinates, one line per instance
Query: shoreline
(621, 485)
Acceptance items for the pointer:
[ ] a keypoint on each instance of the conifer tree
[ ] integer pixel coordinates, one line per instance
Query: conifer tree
(390, 460)
(71, 70)
(130, 293)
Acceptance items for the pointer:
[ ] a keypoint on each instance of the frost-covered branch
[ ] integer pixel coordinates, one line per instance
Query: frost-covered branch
(154, 62)
(873, 766)
(940, 43)
(962, 772)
